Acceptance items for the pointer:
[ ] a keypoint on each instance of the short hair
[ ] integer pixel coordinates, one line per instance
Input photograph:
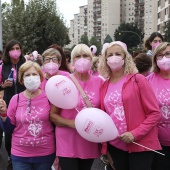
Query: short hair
(24, 67)
(105, 70)
(63, 65)
(143, 62)
(81, 48)
(161, 47)
(50, 52)
(151, 38)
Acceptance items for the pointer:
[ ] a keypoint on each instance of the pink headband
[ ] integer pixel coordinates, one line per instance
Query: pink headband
(107, 45)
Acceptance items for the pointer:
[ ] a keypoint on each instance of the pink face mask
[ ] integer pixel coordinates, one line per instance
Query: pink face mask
(154, 45)
(82, 65)
(115, 63)
(164, 63)
(51, 68)
(15, 54)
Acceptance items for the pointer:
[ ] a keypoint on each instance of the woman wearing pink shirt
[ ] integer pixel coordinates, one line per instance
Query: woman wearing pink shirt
(27, 117)
(51, 63)
(74, 152)
(160, 82)
(135, 112)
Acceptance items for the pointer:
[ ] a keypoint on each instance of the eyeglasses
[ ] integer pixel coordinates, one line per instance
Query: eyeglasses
(54, 59)
(160, 56)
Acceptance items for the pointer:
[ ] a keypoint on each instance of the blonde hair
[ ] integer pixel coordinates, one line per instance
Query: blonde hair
(50, 52)
(24, 67)
(161, 47)
(80, 48)
(105, 70)
(95, 60)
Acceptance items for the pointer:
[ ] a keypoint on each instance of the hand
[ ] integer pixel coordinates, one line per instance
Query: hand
(7, 83)
(127, 137)
(2, 106)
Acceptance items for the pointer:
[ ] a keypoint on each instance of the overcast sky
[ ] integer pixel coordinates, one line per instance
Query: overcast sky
(66, 7)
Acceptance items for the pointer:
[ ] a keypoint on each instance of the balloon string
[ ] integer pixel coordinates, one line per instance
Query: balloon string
(149, 148)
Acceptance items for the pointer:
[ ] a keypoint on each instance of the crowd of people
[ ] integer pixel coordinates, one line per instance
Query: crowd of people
(133, 89)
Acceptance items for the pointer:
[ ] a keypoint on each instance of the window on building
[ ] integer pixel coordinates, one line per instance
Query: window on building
(158, 27)
(159, 3)
(158, 15)
(166, 11)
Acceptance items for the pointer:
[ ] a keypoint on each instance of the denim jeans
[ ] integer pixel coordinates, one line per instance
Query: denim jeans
(31, 166)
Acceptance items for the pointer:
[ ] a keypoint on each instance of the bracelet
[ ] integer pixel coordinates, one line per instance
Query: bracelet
(4, 115)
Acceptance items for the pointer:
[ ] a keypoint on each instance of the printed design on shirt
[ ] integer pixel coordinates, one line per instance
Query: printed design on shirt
(114, 101)
(164, 101)
(115, 109)
(33, 127)
(82, 104)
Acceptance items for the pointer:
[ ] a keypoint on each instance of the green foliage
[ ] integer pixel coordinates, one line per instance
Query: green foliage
(167, 32)
(130, 34)
(108, 39)
(84, 39)
(93, 41)
(36, 25)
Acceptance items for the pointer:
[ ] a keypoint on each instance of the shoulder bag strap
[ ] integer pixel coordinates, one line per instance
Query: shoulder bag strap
(85, 97)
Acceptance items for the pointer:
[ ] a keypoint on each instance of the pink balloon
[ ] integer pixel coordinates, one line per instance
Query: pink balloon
(95, 125)
(62, 92)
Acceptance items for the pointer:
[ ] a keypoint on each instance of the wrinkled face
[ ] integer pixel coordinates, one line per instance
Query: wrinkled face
(81, 55)
(115, 51)
(52, 58)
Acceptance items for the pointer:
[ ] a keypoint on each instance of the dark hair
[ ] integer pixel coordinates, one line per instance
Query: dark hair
(143, 62)
(151, 38)
(68, 55)
(63, 66)
(8, 47)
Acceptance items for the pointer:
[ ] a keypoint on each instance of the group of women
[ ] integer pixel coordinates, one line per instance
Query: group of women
(138, 105)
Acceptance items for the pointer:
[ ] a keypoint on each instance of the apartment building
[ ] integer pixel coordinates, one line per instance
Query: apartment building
(102, 17)
(163, 15)
(150, 17)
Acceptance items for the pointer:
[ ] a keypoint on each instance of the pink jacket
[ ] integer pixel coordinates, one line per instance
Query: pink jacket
(141, 110)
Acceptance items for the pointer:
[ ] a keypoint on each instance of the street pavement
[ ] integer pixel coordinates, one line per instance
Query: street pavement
(97, 165)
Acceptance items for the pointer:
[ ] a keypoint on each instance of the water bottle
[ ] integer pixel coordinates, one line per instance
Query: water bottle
(11, 75)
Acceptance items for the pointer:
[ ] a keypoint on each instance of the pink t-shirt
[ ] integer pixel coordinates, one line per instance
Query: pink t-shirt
(161, 88)
(34, 134)
(68, 142)
(114, 107)
(63, 73)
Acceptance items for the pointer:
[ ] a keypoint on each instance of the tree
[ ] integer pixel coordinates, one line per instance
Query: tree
(108, 39)
(93, 41)
(84, 39)
(130, 34)
(36, 25)
(167, 32)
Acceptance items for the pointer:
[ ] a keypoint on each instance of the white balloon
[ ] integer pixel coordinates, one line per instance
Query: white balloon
(95, 125)
(62, 92)
(35, 54)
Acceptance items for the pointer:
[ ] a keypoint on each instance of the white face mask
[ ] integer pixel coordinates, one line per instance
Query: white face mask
(32, 83)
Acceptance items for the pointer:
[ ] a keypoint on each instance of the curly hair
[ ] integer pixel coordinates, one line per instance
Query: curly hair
(104, 69)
